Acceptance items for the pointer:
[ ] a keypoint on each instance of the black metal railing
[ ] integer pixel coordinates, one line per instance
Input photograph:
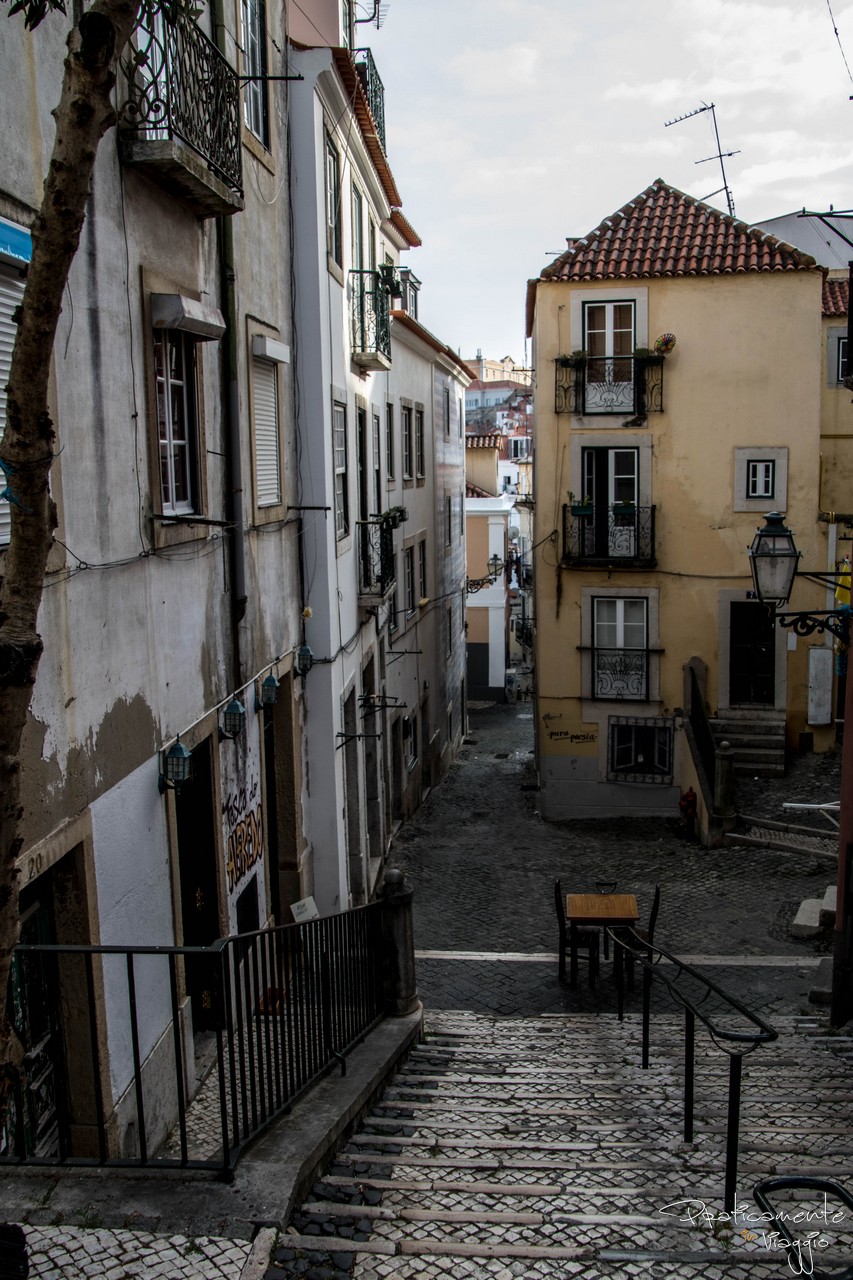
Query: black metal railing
(609, 384)
(595, 533)
(621, 674)
(371, 321)
(376, 556)
(181, 86)
(702, 731)
(374, 90)
(524, 632)
(732, 1027)
(278, 1006)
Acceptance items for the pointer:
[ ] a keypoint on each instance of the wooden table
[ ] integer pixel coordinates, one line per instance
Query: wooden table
(607, 910)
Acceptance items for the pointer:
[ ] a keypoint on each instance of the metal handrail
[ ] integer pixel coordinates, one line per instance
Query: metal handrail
(793, 1246)
(649, 956)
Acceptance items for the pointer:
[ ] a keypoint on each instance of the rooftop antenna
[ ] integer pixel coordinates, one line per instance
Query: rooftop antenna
(378, 14)
(719, 154)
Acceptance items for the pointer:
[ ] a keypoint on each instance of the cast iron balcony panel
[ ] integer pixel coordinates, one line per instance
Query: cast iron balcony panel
(376, 560)
(609, 385)
(524, 633)
(182, 118)
(620, 674)
(371, 321)
(617, 536)
(374, 89)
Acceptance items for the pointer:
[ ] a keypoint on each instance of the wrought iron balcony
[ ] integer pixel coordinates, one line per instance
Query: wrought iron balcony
(620, 674)
(371, 321)
(376, 559)
(622, 535)
(182, 117)
(609, 385)
(374, 90)
(524, 633)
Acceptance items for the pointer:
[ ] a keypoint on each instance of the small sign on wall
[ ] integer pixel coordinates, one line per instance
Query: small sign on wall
(305, 909)
(568, 737)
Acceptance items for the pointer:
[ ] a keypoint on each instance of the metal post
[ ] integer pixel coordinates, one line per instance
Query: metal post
(689, 1039)
(401, 989)
(732, 1131)
(647, 1003)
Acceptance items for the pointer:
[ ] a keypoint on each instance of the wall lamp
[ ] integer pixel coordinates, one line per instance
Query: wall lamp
(496, 568)
(773, 559)
(268, 695)
(177, 764)
(304, 659)
(233, 720)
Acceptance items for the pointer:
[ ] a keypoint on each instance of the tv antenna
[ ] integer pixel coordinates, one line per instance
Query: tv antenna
(378, 14)
(719, 154)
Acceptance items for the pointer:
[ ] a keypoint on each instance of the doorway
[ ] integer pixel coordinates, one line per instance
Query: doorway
(194, 817)
(752, 655)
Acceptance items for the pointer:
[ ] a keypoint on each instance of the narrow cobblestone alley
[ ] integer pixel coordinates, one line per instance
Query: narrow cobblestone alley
(482, 864)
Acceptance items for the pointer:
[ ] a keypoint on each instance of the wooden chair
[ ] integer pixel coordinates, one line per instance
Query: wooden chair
(585, 939)
(640, 940)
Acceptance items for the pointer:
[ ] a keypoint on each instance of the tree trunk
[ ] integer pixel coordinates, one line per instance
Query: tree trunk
(84, 114)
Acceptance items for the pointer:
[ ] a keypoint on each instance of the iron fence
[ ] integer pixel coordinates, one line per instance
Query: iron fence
(374, 90)
(609, 385)
(376, 556)
(140, 1076)
(181, 86)
(595, 533)
(371, 320)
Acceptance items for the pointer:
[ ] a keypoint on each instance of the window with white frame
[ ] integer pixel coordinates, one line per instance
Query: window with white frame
(266, 432)
(609, 343)
(620, 648)
(761, 478)
(339, 428)
(519, 446)
(377, 463)
(448, 631)
(446, 409)
(423, 583)
(407, 442)
(333, 203)
(357, 229)
(255, 69)
(841, 360)
(639, 750)
(420, 445)
(460, 416)
(448, 520)
(177, 421)
(409, 580)
(389, 441)
(394, 608)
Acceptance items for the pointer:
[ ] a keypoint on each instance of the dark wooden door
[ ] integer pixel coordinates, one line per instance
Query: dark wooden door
(199, 893)
(752, 655)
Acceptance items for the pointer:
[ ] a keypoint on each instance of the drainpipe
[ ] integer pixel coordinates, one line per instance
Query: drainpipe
(233, 459)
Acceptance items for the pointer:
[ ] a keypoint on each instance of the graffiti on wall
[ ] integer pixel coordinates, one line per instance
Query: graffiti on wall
(243, 812)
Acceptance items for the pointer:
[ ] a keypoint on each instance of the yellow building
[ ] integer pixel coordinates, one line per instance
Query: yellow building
(678, 376)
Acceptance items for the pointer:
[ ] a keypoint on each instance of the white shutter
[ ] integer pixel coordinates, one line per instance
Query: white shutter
(11, 292)
(267, 475)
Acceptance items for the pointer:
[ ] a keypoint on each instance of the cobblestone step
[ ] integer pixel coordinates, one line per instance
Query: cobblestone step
(540, 1148)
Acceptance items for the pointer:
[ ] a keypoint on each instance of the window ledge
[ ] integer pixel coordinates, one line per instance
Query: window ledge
(173, 531)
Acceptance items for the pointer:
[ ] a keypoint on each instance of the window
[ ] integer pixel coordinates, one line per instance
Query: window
(265, 406)
(407, 442)
(760, 478)
(448, 520)
(609, 344)
(11, 293)
(346, 23)
(357, 230)
(409, 580)
(422, 569)
(620, 648)
(341, 476)
(460, 416)
(841, 369)
(389, 441)
(377, 464)
(255, 69)
(394, 606)
(177, 408)
(519, 446)
(639, 750)
(446, 409)
(420, 444)
(333, 203)
(448, 638)
(410, 740)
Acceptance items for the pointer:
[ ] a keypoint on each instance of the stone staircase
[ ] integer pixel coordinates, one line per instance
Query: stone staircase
(537, 1147)
(757, 739)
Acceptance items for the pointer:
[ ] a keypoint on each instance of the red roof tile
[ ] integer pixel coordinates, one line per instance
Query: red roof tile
(835, 297)
(474, 491)
(474, 440)
(663, 232)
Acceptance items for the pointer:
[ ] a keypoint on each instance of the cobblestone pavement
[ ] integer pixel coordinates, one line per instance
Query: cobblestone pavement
(482, 863)
(70, 1253)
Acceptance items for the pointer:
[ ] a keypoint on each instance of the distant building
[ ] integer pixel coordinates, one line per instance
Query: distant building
(503, 370)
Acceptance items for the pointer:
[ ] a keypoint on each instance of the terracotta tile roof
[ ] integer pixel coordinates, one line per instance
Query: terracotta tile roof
(663, 232)
(407, 231)
(474, 491)
(835, 297)
(477, 441)
(345, 63)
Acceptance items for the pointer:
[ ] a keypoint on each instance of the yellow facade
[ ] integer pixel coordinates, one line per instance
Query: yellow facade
(742, 397)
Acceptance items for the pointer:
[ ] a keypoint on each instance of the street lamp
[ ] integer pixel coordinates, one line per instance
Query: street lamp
(496, 567)
(773, 560)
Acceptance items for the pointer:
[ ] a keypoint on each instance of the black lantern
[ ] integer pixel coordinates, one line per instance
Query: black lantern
(177, 762)
(495, 565)
(304, 659)
(233, 720)
(269, 692)
(773, 558)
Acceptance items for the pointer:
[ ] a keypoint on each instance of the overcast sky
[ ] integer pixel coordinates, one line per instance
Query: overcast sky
(515, 123)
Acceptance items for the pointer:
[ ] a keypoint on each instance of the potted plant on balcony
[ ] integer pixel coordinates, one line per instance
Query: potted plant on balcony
(574, 360)
(646, 355)
(624, 509)
(396, 516)
(580, 506)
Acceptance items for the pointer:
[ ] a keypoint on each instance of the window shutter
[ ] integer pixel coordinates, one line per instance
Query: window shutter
(11, 292)
(267, 474)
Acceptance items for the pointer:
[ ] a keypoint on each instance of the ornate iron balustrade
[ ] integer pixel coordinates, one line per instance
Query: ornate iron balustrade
(371, 321)
(620, 534)
(524, 632)
(612, 384)
(181, 86)
(619, 674)
(376, 558)
(374, 89)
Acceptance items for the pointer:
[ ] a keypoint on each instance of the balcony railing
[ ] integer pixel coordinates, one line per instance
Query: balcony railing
(620, 674)
(374, 89)
(598, 534)
(609, 385)
(376, 559)
(181, 86)
(371, 322)
(524, 633)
